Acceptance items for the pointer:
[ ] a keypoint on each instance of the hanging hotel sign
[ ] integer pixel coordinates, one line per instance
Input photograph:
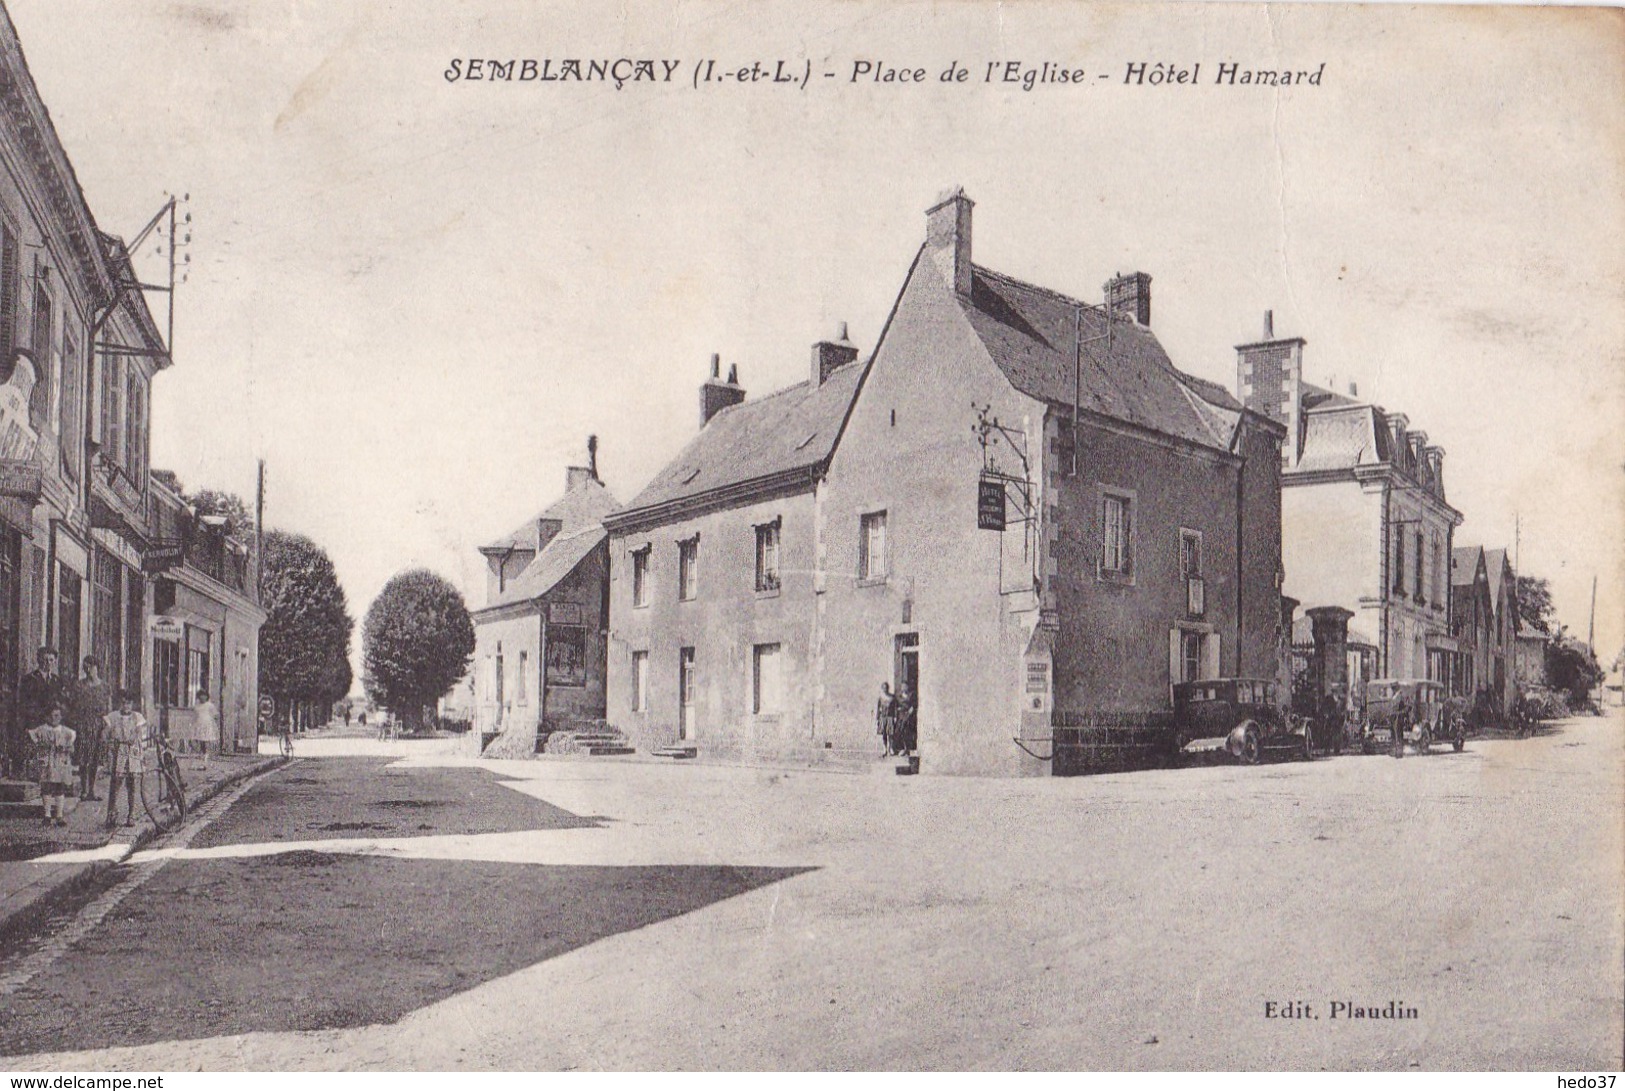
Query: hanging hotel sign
(990, 504)
(162, 556)
(18, 440)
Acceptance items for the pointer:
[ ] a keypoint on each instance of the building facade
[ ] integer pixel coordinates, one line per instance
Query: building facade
(1366, 525)
(1472, 622)
(539, 642)
(1017, 507)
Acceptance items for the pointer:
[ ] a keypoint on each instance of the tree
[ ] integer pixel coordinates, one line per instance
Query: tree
(416, 643)
(305, 641)
(169, 480)
(1535, 603)
(218, 502)
(1572, 667)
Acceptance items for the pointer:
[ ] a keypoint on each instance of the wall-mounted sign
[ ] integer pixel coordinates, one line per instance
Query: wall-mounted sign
(989, 504)
(18, 440)
(1037, 676)
(564, 613)
(21, 479)
(566, 655)
(166, 628)
(162, 556)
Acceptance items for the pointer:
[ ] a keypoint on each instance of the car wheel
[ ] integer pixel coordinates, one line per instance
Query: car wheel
(1251, 749)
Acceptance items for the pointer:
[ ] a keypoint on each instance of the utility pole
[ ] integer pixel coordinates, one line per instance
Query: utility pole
(1591, 627)
(259, 536)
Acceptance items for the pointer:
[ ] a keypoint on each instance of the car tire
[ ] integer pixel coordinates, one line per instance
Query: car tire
(1252, 750)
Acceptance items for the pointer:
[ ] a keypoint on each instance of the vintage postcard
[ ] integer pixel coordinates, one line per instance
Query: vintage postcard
(811, 536)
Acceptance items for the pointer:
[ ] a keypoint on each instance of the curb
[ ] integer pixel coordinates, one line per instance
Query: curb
(25, 919)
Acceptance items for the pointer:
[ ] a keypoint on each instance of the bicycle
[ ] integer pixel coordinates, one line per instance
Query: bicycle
(285, 741)
(163, 789)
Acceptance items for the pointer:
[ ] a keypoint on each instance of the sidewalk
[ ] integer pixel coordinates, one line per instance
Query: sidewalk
(34, 876)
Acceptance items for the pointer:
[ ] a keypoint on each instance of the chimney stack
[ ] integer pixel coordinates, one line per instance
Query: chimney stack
(716, 395)
(1130, 297)
(829, 355)
(947, 239)
(1269, 381)
(592, 456)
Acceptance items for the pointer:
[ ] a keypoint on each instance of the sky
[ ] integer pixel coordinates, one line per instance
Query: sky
(415, 298)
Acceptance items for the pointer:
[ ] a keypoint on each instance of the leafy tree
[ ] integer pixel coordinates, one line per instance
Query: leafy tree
(305, 641)
(416, 643)
(239, 520)
(1572, 667)
(170, 481)
(1535, 603)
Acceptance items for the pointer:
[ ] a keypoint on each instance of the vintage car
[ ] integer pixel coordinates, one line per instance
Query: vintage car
(1240, 717)
(1410, 711)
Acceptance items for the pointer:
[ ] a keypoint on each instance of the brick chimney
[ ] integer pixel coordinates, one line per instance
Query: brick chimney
(1269, 381)
(716, 395)
(576, 477)
(1130, 297)
(947, 239)
(829, 355)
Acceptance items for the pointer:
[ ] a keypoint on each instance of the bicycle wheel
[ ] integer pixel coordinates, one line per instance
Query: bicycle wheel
(287, 745)
(163, 800)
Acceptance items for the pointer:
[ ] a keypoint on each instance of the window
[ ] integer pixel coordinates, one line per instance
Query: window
(69, 614)
(640, 576)
(73, 417)
(166, 673)
(135, 627)
(1190, 648)
(1116, 536)
(519, 683)
(500, 680)
(1419, 566)
(1190, 554)
(1438, 576)
(39, 406)
(197, 664)
(688, 563)
(1399, 561)
(113, 408)
(9, 289)
(767, 556)
(106, 613)
(766, 696)
(136, 431)
(640, 681)
(872, 546)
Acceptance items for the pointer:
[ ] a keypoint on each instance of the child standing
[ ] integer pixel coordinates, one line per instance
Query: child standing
(127, 735)
(54, 741)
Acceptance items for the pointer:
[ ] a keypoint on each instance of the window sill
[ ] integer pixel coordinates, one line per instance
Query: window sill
(770, 717)
(767, 592)
(1115, 579)
(871, 581)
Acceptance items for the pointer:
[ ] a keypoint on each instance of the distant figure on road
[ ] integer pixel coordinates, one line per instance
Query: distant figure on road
(206, 722)
(89, 701)
(886, 718)
(54, 740)
(127, 735)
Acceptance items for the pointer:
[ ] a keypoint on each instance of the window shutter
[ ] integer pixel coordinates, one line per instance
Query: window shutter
(1210, 655)
(1174, 658)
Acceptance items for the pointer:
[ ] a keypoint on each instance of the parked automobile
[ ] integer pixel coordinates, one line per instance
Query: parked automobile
(1241, 717)
(1402, 712)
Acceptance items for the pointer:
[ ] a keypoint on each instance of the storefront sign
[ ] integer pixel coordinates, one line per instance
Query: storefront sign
(166, 628)
(564, 613)
(989, 504)
(162, 556)
(21, 479)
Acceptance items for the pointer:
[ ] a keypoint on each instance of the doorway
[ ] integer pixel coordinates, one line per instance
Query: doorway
(685, 694)
(906, 673)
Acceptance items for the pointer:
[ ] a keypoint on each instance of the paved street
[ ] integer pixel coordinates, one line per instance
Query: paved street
(382, 905)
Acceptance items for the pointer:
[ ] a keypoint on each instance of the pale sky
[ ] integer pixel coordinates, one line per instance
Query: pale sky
(415, 299)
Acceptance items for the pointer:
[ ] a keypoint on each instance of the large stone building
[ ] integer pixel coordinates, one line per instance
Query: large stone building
(1365, 522)
(539, 640)
(812, 544)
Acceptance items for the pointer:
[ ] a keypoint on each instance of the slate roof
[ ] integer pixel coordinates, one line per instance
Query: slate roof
(1495, 562)
(585, 505)
(1464, 565)
(790, 429)
(1030, 333)
(1342, 439)
(551, 565)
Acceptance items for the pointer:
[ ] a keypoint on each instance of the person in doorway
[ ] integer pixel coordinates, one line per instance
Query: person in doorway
(906, 723)
(886, 719)
(205, 723)
(54, 742)
(39, 689)
(127, 736)
(89, 702)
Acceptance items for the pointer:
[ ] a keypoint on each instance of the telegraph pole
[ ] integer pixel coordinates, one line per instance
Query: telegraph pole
(259, 536)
